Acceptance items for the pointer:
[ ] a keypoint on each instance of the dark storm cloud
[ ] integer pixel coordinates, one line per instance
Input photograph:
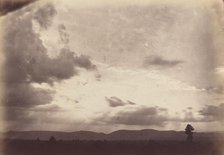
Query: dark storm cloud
(213, 113)
(161, 62)
(20, 118)
(24, 95)
(83, 61)
(151, 116)
(12, 5)
(17, 114)
(26, 57)
(115, 102)
(27, 61)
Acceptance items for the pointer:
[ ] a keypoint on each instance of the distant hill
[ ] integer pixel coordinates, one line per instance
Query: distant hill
(147, 134)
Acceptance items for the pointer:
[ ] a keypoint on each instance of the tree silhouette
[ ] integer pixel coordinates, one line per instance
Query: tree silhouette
(189, 131)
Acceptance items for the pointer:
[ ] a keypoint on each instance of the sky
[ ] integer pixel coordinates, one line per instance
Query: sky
(107, 66)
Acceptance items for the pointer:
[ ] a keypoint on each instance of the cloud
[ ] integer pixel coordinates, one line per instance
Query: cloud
(48, 108)
(9, 6)
(215, 89)
(22, 118)
(189, 116)
(131, 103)
(25, 114)
(44, 15)
(150, 116)
(17, 115)
(27, 61)
(25, 95)
(64, 36)
(98, 76)
(83, 61)
(160, 62)
(213, 113)
(116, 102)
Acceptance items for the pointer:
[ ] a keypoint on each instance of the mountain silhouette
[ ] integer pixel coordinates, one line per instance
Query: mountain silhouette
(146, 134)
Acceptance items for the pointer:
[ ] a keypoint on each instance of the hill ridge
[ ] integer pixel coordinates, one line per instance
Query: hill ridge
(144, 134)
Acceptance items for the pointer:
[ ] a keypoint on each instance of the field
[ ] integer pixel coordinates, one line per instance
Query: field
(104, 147)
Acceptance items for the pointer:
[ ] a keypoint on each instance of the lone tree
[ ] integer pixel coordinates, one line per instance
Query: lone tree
(189, 131)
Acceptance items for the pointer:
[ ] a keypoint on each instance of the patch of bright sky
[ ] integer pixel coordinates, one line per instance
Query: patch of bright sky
(142, 87)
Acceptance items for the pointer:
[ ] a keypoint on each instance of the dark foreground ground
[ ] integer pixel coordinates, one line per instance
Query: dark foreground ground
(76, 147)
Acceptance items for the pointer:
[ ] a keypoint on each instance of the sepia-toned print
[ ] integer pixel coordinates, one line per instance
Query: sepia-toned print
(122, 77)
